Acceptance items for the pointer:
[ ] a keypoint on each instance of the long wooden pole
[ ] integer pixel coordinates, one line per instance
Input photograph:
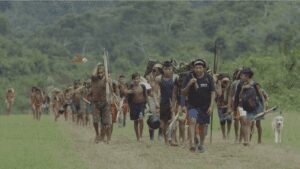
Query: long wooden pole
(107, 91)
(215, 67)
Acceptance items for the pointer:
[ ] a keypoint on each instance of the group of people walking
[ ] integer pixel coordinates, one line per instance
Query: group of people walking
(175, 102)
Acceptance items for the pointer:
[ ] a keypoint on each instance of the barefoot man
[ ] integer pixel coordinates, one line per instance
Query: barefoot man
(101, 110)
(9, 99)
(36, 102)
(168, 85)
(137, 99)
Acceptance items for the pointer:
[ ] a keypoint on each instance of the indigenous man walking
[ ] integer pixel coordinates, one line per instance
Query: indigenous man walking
(9, 100)
(200, 91)
(101, 110)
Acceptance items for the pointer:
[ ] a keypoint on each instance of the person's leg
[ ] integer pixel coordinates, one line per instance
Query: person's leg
(34, 112)
(164, 131)
(96, 120)
(39, 112)
(66, 113)
(108, 131)
(202, 128)
(160, 133)
(151, 134)
(107, 121)
(111, 128)
(236, 125)
(8, 108)
(124, 119)
(246, 131)
(78, 119)
(174, 136)
(203, 121)
(192, 126)
(241, 137)
(102, 131)
(222, 123)
(164, 117)
(87, 119)
(96, 127)
(56, 117)
(136, 130)
(259, 130)
(125, 111)
(181, 131)
(73, 116)
(202, 134)
(141, 127)
(229, 122)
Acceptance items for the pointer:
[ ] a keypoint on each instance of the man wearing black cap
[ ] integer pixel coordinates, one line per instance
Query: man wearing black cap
(200, 91)
(249, 101)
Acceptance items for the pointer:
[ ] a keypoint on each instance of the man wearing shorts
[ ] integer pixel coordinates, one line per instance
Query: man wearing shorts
(225, 117)
(101, 109)
(200, 91)
(168, 85)
(137, 99)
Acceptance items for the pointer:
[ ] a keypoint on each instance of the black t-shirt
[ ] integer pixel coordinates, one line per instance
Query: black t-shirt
(200, 97)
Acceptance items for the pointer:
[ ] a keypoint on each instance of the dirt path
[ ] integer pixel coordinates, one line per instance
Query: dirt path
(124, 152)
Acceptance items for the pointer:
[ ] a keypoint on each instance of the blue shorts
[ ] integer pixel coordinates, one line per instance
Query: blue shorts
(223, 116)
(137, 111)
(193, 114)
(200, 114)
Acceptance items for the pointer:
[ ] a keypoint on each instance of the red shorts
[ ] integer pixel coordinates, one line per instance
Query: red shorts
(114, 112)
(125, 108)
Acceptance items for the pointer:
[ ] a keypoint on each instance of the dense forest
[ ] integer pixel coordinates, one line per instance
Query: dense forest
(38, 40)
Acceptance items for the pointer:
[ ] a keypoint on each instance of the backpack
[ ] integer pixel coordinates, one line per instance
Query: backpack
(250, 97)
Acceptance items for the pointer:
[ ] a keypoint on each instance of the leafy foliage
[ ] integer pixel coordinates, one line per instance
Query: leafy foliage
(38, 40)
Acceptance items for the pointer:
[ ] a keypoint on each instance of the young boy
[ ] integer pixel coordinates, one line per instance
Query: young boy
(137, 99)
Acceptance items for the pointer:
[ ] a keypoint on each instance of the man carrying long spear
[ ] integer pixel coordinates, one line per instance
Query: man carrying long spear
(101, 109)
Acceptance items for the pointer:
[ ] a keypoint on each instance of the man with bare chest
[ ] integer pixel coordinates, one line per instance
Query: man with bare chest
(77, 103)
(58, 102)
(153, 96)
(123, 86)
(137, 99)
(9, 99)
(36, 102)
(101, 109)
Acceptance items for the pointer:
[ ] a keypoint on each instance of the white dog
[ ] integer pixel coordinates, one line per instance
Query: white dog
(277, 125)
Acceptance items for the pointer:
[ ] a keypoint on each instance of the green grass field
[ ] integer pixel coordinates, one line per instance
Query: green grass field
(29, 144)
